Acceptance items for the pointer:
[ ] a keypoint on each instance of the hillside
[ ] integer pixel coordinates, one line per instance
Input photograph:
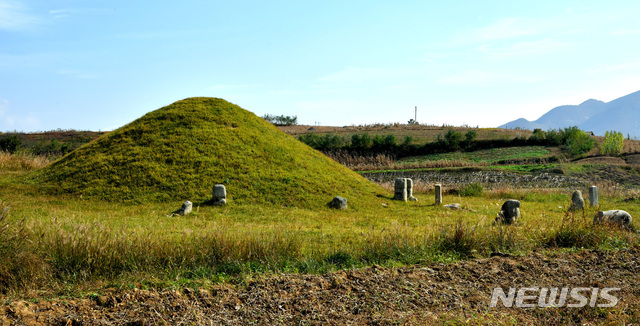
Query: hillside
(180, 151)
(622, 114)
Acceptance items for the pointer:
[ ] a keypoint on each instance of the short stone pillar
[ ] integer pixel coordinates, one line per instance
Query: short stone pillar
(593, 196)
(338, 203)
(577, 202)
(400, 191)
(219, 195)
(438, 189)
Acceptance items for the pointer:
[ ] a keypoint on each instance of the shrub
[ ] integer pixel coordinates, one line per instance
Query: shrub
(472, 190)
(576, 141)
(613, 143)
(361, 141)
(10, 143)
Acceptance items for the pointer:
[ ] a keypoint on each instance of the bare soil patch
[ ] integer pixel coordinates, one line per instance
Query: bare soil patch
(422, 294)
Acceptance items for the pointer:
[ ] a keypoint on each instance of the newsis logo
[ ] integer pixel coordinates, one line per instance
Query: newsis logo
(554, 297)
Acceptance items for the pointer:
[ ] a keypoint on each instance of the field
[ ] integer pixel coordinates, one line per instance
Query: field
(84, 249)
(69, 259)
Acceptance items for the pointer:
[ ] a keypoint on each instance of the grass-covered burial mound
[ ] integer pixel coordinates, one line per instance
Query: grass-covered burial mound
(180, 151)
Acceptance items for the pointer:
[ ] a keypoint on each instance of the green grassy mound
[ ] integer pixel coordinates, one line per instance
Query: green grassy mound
(180, 151)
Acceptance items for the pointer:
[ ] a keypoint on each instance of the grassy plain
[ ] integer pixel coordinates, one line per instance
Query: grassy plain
(65, 245)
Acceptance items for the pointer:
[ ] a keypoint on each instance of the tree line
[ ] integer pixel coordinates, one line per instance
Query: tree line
(572, 140)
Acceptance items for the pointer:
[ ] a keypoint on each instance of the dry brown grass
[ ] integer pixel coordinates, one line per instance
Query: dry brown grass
(22, 161)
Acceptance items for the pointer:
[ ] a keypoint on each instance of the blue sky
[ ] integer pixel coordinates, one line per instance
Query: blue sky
(97, 65)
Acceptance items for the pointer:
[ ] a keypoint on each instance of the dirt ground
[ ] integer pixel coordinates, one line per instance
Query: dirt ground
(416, 295)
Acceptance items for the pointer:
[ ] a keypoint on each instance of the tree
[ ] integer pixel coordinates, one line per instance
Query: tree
(613, 143)
(10, 143)
(576, 141)
(452, 139)
(361, 141)
(281, 120)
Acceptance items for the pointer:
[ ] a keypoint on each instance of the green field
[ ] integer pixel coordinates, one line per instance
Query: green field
(487, 156)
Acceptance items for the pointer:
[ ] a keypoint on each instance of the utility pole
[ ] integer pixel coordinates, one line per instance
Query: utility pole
(416, 115)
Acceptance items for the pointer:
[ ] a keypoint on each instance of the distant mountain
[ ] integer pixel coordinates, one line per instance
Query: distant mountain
(622, 115)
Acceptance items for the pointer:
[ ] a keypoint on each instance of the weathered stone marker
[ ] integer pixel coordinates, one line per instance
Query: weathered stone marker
(400, 189)
(438, 189)
(403, 189)
(577, 202)
(185, 209)
(338, 203)
(219, 195)
(410, 190)
(509, 213)
(615, 217)
(593, 196)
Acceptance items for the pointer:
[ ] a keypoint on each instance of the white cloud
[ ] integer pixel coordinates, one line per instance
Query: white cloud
(10, 122)
(78, 74)
(626, 32)
(357, 74)
(4, 106)
(524, 48)
(481, 77)
(625, 67)
(15, 16)
(61, 13)
(507, 28)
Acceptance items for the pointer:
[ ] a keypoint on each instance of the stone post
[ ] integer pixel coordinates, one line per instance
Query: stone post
(400, 192)
(438, 189)
(593, 196)
(577, 202)
(219, 195)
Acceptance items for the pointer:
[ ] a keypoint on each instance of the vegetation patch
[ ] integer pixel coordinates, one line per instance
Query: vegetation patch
(180, 151)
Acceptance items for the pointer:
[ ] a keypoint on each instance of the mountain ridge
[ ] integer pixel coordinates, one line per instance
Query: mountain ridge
(621, 114)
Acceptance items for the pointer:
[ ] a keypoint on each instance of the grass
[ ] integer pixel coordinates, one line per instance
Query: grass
(180, 151)
(63, 244)
(487, 156)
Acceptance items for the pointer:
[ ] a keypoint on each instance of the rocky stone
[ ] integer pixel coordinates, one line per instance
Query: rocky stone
(455, 207)
(185, 209)
(400, 189)
(438, 190)
(219, 195)
(338, 203)
(577, 202)
(509, 213)
(614, 217)
(593, 196)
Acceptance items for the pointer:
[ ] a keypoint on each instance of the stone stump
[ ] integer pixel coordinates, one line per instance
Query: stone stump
(509, 213)
(618, 218)
(338, 203)
(438, 189)
(219, 195)
(400, 189)
(577, 202)
(593, 196)
(185, 209)
(410, 190)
